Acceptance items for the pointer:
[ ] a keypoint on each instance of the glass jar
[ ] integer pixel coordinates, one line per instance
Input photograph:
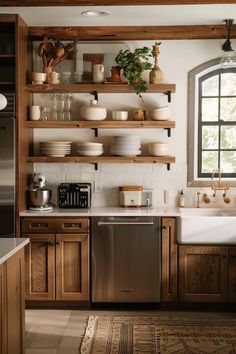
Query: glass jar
(67, 108)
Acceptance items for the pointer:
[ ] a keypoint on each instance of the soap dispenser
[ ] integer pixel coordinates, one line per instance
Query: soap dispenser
(181, 199)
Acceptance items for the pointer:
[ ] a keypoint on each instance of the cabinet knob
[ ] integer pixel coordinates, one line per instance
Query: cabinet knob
(164, 227)
(58, 243)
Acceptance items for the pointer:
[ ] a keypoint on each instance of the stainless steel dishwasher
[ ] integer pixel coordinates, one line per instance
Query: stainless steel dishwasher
(126, 259)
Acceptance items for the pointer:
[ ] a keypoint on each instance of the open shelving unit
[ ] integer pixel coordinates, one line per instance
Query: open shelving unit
(104, 124)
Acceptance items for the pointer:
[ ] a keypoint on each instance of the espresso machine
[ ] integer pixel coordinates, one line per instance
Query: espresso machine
(38, 195)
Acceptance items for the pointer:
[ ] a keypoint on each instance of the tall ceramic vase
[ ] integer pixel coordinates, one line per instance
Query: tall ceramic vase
(156, 74)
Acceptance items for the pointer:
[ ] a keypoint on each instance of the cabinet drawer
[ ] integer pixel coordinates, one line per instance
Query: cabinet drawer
(54, 225)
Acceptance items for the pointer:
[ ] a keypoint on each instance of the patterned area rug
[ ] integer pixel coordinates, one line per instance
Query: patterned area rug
(159, 334)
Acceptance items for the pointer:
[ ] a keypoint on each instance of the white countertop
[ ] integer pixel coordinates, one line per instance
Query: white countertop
(105, 211)
(9, 246)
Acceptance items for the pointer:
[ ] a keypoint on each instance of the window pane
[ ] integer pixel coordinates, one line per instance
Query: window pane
(209, 161)
(210, 87)
(210, 137)
(228, 161)
(228, 109)
(228, 84)
(209, 109)
(228, 138)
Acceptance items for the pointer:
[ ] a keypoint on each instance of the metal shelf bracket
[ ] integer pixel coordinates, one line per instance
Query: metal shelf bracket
(95, 132)
(95, 165)
(168, 166)
(168, 93)
(168, 132)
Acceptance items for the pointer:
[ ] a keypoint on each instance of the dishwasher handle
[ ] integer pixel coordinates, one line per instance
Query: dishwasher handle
(101, 223)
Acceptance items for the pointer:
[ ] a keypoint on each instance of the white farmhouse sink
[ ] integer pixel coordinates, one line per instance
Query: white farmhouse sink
(207, 226)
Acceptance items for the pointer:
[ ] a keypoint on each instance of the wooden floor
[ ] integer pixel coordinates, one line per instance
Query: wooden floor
(61, 331)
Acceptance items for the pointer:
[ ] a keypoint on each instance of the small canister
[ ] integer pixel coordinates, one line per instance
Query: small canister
(138, 114)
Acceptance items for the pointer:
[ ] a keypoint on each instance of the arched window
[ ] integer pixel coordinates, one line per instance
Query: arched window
(211, 122)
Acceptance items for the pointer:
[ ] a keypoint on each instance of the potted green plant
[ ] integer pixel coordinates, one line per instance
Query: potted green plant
(133, 64)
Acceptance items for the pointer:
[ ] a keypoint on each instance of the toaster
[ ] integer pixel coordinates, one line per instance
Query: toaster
(135, 196)
(74, 195)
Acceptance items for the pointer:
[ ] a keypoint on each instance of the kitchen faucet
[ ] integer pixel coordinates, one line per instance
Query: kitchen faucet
(218, 185)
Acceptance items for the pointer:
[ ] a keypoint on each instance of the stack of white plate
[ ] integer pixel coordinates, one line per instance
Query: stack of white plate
(55, 148)
(125, 145)
(84, 148)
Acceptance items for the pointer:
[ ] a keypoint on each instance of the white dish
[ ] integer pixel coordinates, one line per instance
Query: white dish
(55, 142)
(158, 149)
(89, 153)
(160, 113)
(92, 146)
(93, 111)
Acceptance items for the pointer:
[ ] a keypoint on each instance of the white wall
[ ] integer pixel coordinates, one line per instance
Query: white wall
(177, 58)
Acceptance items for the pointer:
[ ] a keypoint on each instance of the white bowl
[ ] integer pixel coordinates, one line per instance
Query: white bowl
(119, 115)
(160, 113)
(39, 76)
(158, 149)
(93, 111)
(88, 145)
(89, 153)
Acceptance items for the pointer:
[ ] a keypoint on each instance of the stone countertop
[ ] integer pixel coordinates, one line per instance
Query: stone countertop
(105, 211)
(9, 246)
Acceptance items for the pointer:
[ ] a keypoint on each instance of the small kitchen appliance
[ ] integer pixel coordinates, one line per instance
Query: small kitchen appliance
(39, 197)
(74, 195)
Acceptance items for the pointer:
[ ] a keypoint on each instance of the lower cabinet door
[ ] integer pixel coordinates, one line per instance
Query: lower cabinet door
(169, 259)
(72, 267)
(15, 304)
(232, 274)
(203, 274)
(2, 311)
(40, 267)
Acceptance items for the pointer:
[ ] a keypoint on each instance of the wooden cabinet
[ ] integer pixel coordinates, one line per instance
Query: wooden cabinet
(2, 311)
(203, 273)
(169, 259)
(12, 315)
(57, 261)
(232, 274)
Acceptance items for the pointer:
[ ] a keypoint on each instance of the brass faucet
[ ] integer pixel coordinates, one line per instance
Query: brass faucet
(218, 185)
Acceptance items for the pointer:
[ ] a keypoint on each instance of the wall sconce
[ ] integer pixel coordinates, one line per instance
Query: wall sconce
(229, 58)
(3, 102)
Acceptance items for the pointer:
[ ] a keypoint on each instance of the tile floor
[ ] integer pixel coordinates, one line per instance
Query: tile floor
(62, 331)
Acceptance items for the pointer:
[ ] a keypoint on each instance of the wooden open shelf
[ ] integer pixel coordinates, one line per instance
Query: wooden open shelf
(103, 159)
(100, 88)
(103, 124)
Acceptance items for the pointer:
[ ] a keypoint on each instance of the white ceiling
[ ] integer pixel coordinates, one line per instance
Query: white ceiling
(125, 15)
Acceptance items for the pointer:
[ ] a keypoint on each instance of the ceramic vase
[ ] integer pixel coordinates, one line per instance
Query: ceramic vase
(156, 74)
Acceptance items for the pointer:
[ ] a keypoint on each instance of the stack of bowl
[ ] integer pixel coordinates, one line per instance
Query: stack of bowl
(55, 148)
(125, 145)
(158, 149)
(160, 113)
(84, 148)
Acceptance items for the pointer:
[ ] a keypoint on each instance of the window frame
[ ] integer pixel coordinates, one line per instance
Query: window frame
(195, 77)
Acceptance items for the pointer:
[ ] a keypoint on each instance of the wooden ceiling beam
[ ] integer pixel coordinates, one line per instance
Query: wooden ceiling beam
(107, 33)
(20, 3)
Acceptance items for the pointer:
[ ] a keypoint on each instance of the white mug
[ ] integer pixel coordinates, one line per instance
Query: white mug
(98, 73)
(34, 112)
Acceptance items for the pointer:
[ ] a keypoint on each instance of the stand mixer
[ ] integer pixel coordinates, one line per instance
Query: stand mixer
(39, 197)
